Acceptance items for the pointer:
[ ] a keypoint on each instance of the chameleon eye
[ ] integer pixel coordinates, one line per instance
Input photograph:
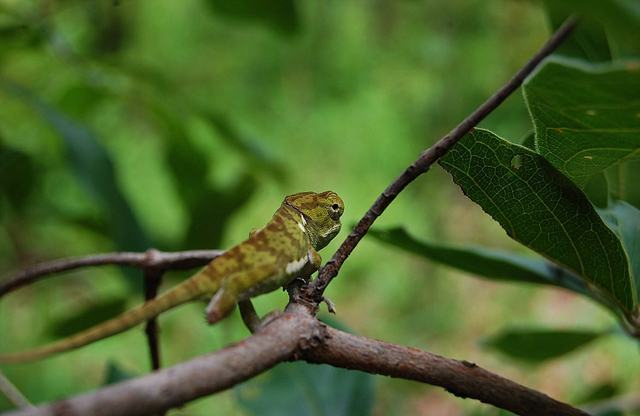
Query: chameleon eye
(335, 207)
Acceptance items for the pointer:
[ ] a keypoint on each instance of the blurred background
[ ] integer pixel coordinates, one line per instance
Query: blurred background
(129, 124)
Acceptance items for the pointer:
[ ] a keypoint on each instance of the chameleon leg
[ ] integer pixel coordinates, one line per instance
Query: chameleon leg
(315, 258)
(224, 301)
(222, 304)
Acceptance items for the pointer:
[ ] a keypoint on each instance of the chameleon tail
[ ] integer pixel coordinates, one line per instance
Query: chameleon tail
(189, 290)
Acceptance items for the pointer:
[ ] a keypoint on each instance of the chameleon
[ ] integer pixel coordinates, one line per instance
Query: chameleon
(286, 248)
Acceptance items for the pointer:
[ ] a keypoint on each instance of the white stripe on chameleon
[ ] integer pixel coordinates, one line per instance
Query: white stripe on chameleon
(303, 220)
(304, 230)
(296, 265)
(331, 230)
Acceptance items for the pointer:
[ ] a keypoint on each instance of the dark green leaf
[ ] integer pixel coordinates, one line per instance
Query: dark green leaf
(250, 149)
(88, 317)
(16, 176)
(596, 188)
(588, 41)
(278, 14)
(542, 209)
(93, 168)
(535, 346)
(491, 264)
(529, 141)
(79, 100)
(612, 412)
(623, 180)
(305, 389)
(116, 374)
(602, 391)
(624, 220)
(608, 29)
(209, 208)
(585, 117)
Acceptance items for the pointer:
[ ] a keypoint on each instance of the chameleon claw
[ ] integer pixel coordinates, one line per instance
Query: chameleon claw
(330, 305)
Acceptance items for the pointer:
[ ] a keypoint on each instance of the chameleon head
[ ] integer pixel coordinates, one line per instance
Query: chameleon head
(320, 215)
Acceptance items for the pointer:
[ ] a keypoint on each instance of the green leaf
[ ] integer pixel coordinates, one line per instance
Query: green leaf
(585, 117)
(93, 168)
(596, 188)
(623, 180)
(17, 176)
(536, 346)
(277, 14)
(608, 28)
(602, 391)
(87, 317)
(305, 389)
(490, 264)
(624, 220)
(209, 207)
(116, 374)
(251, 150)
(542, 209)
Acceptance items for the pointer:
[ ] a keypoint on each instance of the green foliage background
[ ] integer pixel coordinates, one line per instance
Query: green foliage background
(180, 125)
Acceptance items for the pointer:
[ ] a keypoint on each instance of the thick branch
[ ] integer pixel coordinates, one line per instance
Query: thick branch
(461, 378)
(428, 158)
(296, 334)
(182, 260)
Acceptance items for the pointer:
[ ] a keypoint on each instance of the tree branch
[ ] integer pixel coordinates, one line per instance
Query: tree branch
(297, 335)
(182, 260)
(428, 158)
(199, 377)
(462, 378)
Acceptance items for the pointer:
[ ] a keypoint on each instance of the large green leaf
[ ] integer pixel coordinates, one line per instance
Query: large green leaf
(542, 209)
(608, 28)
(17, 177)
(624, 220)
(93, 168)
(487, 263)
(491, 264)
(623, 182)
(278, 14)
(585, 117)
(251, 149)
(535, 346)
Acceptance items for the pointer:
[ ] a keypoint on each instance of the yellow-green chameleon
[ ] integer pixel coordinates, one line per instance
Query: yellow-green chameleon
(286, 248)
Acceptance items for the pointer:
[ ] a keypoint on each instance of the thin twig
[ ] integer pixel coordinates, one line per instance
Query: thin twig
(151, 258)
(249, 315)
(152, 281)
(12, 393)
(428, 158)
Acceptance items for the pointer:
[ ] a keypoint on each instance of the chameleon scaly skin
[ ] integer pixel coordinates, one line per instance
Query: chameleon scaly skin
(286, 248)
